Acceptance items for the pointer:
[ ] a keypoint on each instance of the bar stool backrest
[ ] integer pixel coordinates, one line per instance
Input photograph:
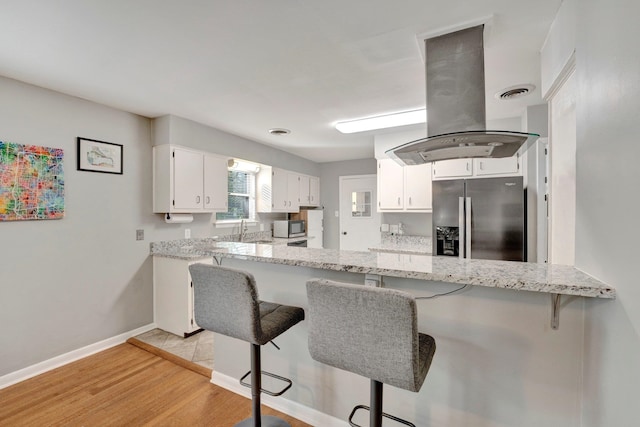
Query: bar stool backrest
(226, 301)
(368, 331)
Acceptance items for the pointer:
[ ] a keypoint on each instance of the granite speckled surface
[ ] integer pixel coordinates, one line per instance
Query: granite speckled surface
(558, 279)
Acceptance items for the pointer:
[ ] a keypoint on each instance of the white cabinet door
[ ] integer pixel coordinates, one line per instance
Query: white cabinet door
(215, 183)
(280, 197)
(504, 166)
(390, 185)
(293, 192)
(458, 168)
(187, 179)
(417, 187)
(314, 191)
(305, 196)
(173, 295)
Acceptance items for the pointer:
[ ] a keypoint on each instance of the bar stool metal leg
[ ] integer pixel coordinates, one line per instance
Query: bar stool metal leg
(257, 420)
(375, 414)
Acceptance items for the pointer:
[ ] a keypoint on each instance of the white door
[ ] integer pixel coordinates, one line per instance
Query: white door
(359, 219)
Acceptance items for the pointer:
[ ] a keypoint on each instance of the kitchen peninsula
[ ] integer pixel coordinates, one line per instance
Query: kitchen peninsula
(494, 338)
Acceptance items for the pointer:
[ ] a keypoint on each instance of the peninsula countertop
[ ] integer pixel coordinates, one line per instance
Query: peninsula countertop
(553, 279)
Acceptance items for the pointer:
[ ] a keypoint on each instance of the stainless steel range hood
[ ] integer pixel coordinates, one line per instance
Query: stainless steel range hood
(456, 126)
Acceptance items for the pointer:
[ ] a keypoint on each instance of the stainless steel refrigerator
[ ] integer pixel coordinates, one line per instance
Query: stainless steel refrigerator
(480, 218)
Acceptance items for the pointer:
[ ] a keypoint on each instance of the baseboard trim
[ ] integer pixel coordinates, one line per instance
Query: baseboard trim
(72, 356)
(289, 407)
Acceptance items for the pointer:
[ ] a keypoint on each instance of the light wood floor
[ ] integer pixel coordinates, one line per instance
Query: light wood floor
(124, 386)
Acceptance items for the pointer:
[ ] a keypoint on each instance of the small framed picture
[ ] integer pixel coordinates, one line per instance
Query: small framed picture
(99, 156)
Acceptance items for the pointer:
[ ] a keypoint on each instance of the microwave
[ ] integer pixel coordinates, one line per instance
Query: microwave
(289, 229)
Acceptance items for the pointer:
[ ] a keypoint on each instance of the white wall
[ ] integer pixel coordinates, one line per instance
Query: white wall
(68, 283)
(330, 196)
(562, 145)
(607, 206)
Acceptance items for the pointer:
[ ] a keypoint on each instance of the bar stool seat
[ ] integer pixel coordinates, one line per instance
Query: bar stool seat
(372, 332)
(226, 301)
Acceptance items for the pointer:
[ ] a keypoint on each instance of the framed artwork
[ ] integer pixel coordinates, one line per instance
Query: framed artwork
(99, 156)
(31, 182)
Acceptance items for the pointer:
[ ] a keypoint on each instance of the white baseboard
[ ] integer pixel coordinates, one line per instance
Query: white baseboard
(289, 407)
(72, 356)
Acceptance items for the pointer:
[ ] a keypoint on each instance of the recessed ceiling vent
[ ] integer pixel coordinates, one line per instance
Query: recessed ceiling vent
(279, 131)
(515, 92)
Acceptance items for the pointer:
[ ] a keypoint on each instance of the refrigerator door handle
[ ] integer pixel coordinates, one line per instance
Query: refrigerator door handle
(461, 227)
(468, 228)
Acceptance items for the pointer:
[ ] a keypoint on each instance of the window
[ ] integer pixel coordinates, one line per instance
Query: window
(242, 196)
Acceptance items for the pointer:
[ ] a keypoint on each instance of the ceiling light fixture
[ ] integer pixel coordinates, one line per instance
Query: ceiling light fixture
(402, 118)
(242, 166)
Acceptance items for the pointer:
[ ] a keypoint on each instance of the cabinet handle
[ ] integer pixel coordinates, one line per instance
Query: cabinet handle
(208, 200)
(481, 165)
(467, 166)
(198, 199)
(409, 199)
(398, 201)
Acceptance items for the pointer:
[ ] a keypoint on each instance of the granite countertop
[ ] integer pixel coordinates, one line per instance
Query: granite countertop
(557, 279)
(403, 244)
(403, 248)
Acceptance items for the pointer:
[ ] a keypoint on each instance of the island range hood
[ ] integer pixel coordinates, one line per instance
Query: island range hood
(456, 127)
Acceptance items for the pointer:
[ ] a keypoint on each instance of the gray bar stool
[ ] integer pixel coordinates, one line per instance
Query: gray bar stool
(226, 301)
(372, 332)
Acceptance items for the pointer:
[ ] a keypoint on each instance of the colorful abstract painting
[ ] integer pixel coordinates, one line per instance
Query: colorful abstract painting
(31, 182)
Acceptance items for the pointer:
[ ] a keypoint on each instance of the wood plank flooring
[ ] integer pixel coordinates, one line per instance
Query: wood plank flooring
(124, 386)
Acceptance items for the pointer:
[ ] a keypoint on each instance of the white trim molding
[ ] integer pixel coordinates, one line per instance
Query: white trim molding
(72, 356)
(289, 407)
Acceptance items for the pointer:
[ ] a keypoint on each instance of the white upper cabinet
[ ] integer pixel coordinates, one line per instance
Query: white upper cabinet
(390, 185)
(403, 189)
(314, 191)
(504, 166)
(188, 181)
(309, 190)
(216, 186)
(305, 194)
(474, 168)
(458, 168)
(280, 190)
(273, 190)
(417, 187)
(293, 192)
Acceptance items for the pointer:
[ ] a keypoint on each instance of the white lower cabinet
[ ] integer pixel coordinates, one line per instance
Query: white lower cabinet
(173, 295)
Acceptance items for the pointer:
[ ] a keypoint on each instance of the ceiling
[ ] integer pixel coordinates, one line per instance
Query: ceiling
(245, 66)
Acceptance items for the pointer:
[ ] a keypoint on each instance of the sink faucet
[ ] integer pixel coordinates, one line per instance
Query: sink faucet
(243, 230)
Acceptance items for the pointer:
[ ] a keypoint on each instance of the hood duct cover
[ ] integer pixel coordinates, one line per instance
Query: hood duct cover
(456, 127)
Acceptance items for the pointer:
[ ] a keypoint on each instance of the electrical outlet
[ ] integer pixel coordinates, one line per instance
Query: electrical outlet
(139, 234)
(187, 233)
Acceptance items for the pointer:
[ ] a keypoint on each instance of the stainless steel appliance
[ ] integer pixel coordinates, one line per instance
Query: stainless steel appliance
(289, 228)
(456, 104)
(480, 218)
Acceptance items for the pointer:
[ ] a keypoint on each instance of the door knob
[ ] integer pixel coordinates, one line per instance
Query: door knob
(344, 232)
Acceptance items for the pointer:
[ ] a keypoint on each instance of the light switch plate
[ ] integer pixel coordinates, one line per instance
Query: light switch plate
(139, 234)
(384, 227)
(187, 233)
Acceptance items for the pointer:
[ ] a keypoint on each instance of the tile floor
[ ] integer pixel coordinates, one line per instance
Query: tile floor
(197, 348)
